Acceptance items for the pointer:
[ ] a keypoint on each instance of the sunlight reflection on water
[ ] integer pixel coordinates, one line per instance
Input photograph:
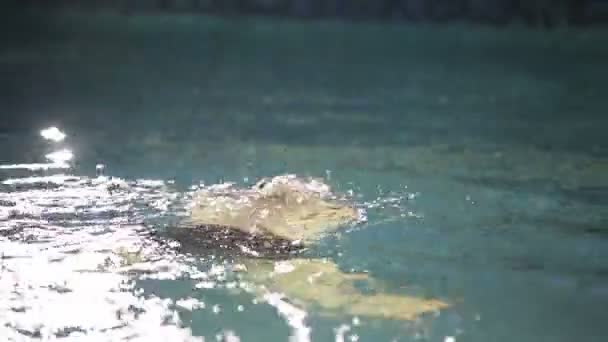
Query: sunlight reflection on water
(74, 248)
(62, 272)
(53, 134)
(61, 275)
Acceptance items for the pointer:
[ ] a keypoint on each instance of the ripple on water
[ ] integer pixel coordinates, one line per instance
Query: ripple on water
(74, 251)
(68, 281)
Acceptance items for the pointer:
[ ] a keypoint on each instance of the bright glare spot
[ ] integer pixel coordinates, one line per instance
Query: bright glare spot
(60, 156)
(52, 133)
(99, 168)
(35, 166)
(56, 179)
(190, 304)
(340, 331)
(230, 336)
(295, 317)
(227, 336)
(449, 339)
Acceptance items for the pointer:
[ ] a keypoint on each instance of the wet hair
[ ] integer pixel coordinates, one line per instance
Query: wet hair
(210, 239)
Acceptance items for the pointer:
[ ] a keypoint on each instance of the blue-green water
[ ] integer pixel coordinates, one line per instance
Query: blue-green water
(494, 141)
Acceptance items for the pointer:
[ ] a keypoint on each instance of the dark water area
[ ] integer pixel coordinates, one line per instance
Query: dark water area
(534, 13)
(479, 154)
(505, 84)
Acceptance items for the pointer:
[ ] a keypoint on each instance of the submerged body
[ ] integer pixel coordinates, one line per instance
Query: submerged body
(278, 217)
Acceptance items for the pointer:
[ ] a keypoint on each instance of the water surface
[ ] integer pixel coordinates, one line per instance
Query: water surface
(479, 154)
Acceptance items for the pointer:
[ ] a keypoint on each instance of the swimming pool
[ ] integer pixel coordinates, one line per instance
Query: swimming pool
(479, 156)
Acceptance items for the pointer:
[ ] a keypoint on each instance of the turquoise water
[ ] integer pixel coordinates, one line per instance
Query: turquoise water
(479, 155)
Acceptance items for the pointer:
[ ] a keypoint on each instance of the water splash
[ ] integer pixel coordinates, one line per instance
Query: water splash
(68, 256)
(74, 249)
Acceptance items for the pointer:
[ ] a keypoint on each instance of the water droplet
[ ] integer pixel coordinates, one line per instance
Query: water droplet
(99, 170)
